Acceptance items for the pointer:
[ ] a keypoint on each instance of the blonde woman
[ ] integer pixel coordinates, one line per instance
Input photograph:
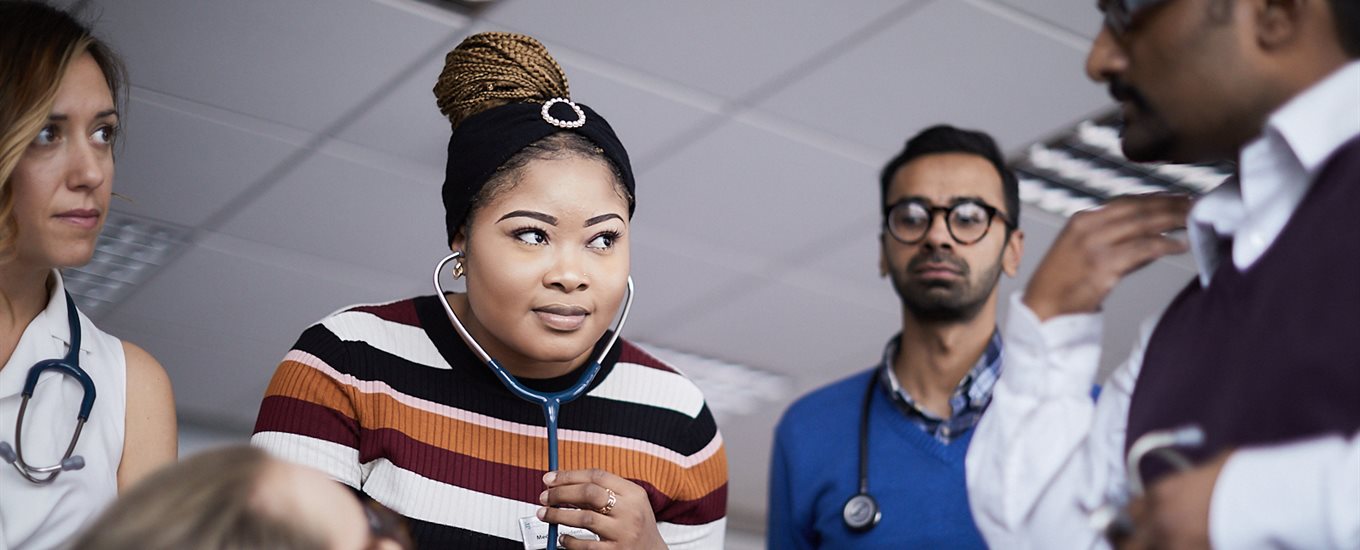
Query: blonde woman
(240, 498)
(59, 120)
(402, 400)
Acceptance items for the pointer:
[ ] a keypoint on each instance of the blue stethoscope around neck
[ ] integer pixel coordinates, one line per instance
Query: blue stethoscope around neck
(551, 402)
(70, 366)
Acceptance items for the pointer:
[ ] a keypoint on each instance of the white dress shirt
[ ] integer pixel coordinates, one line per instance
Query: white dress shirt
(1045, 457)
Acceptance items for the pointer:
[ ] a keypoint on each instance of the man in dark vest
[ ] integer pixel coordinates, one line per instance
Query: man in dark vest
(1251, 375)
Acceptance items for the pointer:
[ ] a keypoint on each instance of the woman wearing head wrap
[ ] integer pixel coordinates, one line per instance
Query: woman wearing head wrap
(59, 119)
(392, 400)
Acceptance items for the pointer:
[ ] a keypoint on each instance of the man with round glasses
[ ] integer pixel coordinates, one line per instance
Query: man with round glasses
(1235, 423)
(876, 459)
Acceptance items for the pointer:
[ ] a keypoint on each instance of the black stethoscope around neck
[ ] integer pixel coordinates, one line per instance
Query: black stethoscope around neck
(861, 512)
(70, 366)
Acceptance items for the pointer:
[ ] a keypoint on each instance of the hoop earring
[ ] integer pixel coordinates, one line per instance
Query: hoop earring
(458, 269)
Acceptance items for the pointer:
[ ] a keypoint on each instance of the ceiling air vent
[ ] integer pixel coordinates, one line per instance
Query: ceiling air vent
(129, 250)
(1083, 167)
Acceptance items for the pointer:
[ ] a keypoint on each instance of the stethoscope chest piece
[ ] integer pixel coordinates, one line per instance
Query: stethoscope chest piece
(861, 513)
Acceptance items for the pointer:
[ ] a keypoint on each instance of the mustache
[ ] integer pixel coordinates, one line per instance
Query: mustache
(937, 257)
(1122, 91)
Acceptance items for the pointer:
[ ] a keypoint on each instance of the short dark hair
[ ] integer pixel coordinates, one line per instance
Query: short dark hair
(944, 138)
(1346, 15)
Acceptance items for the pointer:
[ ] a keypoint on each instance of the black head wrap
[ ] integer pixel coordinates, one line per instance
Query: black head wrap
(486, 140)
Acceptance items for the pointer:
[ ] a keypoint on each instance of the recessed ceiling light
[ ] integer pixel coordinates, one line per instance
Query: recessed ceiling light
(1083, 167)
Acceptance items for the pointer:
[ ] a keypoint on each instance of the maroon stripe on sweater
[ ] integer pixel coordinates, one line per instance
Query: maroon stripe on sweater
(630, 353)
(403, 312)
(513, 482)
(706, 509)
(280, 413)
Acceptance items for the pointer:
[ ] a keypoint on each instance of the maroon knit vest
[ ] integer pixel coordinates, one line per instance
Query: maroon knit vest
(1272, 354)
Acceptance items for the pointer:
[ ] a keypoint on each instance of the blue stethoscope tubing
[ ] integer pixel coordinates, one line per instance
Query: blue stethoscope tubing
(70, 366)
(550, 402)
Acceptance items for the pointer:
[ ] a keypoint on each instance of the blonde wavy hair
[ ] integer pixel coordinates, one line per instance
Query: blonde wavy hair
(37, 44)
(207, 502)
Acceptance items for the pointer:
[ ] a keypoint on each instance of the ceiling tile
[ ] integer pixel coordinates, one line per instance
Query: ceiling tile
(1079, 18)
(302, 63)
(783, 328)
(407, 123)
(349, 211)
(181, 166)
(750, 195)
(222, 316)
(674, 284)
(948, 62)
(728, 49)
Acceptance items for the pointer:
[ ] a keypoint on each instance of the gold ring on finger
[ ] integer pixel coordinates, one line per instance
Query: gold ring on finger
(609, 505)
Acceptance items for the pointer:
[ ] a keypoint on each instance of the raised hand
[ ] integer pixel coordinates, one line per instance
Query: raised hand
(1098, 247)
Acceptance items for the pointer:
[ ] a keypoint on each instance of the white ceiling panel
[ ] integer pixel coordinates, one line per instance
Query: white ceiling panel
(182, 166)
(751, 193)
(222, 316)
(302, 62)
(348, 211)
(1080, 18)
(408, 124)
(784, 328)
(672, 287)
(647, 123)
(729, 48)
(948, 62)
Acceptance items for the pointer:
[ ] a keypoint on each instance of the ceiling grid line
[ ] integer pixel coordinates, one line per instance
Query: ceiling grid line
(747, 102)
(305, 151)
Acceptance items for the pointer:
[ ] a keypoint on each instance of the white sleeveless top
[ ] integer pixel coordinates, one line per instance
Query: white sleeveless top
(47, 516)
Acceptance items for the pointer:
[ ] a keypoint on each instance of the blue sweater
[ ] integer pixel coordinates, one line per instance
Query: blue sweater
(917, 481)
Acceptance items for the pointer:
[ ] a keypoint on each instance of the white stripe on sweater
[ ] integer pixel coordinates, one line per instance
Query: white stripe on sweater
(405, 341)
(635, 383)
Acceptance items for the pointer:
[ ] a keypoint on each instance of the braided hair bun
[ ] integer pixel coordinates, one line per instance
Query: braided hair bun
(491, 69)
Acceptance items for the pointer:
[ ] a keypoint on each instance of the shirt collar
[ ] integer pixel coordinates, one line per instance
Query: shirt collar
(54, 315)
(1275, 171)
(975, 387)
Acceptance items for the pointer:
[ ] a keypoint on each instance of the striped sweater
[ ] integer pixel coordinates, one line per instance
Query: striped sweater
(389, 400)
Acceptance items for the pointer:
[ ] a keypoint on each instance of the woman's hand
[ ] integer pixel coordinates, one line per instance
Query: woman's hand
(612, 507)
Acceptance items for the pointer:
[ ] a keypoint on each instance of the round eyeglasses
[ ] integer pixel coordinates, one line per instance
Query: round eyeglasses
(968, 221)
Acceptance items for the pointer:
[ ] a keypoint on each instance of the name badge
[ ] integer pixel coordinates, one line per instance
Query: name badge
(534, 533)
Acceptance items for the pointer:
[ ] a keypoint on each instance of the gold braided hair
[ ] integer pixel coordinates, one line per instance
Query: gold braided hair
(495, 68)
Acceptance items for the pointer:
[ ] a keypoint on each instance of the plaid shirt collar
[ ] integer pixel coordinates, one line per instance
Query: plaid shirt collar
(968, 401)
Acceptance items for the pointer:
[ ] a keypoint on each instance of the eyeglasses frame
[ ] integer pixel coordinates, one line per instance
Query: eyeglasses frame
(992, 214)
